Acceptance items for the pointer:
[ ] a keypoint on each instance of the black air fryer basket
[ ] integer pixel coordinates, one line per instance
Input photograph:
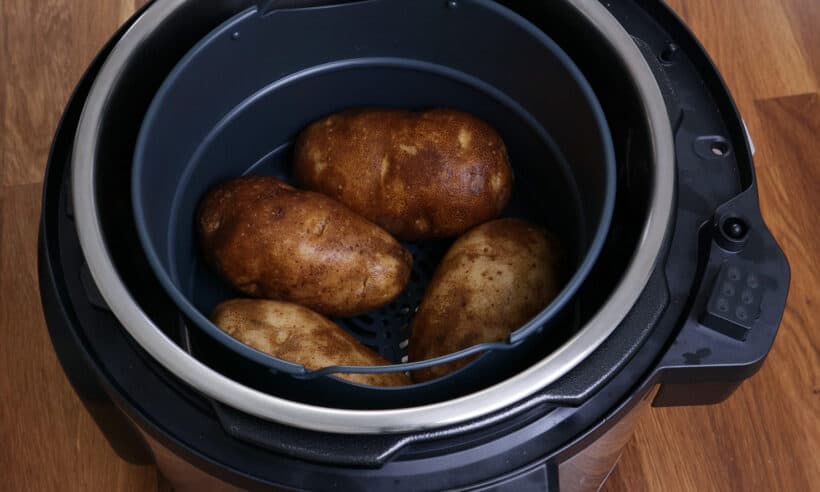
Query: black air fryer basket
(237, 100)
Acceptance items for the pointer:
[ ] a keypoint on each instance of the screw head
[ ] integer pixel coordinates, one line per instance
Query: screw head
(669, 53)
(735, 228)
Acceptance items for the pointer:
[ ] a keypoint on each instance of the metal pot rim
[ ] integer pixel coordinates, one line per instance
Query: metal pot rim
(468, 407)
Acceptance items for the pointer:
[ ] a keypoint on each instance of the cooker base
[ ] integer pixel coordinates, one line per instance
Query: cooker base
(543, 440)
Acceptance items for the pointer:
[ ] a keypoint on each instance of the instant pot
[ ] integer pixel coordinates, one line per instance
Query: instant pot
(678, 304)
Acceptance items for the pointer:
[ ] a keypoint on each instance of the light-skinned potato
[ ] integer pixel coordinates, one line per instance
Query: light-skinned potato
(492, 281)
(297, 334)
(419, 175)
(270, 240)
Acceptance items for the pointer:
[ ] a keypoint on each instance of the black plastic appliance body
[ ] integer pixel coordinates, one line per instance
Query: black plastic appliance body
(684, 337)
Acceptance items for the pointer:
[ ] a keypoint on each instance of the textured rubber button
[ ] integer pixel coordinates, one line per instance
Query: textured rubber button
(735, 301)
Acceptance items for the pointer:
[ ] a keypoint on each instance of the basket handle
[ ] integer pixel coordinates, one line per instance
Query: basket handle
(406, 366)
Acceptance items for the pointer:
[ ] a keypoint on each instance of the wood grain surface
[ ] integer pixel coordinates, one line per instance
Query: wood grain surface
(766, 437)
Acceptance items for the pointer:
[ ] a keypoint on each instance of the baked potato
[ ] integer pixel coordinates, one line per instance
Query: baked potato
(270, 240)
(419, 175)
(297, 334)
(492, 281)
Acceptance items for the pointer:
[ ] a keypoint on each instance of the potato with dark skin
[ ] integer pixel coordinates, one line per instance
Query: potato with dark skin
(419, 175)
(492, 281)
(270, 240)
(297, 334)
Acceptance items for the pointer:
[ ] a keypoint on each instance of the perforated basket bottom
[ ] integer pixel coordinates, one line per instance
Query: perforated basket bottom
(387, 330)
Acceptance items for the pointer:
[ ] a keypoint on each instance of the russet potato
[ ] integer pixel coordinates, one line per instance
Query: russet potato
(492, 281)
(297, 334)
(419, 175)
(270, 240)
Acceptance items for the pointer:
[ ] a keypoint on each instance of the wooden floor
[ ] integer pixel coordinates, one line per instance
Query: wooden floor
(765, 438)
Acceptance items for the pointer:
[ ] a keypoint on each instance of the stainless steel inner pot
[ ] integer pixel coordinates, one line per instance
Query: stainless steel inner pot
(157, 22)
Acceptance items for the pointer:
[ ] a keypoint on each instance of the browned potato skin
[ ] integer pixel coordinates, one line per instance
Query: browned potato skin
(297, 334)
(420, 175)
(271, 240)
(492, 281)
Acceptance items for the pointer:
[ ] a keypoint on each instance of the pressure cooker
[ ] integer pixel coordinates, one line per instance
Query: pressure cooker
(678, 290)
